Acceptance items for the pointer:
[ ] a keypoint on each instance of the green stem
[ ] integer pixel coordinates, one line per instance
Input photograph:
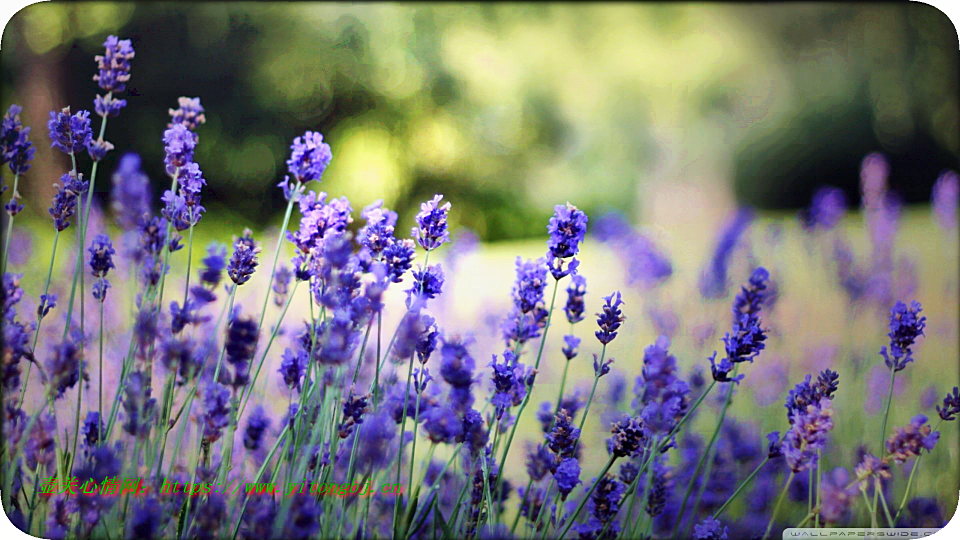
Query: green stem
(743, 484)
(773, 516)
(706, 452)
(883, 502)
(403, 426)
(36, 334)
(526, 399)
(244, 395)
(883, 431)
(186, 287)
(100, 424)
(276, 255)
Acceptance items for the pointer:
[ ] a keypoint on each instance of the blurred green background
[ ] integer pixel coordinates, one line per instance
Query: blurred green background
(508, 109)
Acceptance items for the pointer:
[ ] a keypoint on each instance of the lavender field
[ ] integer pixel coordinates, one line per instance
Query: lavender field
(722, 372)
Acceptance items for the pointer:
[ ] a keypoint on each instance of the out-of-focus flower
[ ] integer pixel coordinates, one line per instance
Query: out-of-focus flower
(944, 199)
(567, 476)
(713, 279)
(827, 209)
(836, 495)
(131, 193)
(241, 346)
(871, 467)
(807, 435)
(709, 529)
(575, 306)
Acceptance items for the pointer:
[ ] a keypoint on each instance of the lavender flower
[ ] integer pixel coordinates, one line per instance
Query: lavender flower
(571, 346)
(64, 366)
(507, 380)
(837, 495)
(244, 259)
(47, 302)
(610, 319)
(431, 230)
(871, 467)
(944, 198)
(354, 407)
(320, 220)
(101, 256)
(442, 424)
(97, 149)
(16, 150)
(709, 529)
(567, 229)
(178, 145)
(65, 200)
(909, 440)
(216, 411)
(564, 436)
(398, 255)
(189, 113)
(951, 405)
(138, 407)
(427, 284)
(905, 327)
(807, 435)
(646, 263)
(130, 195)
(567, 476)
(69, 132)
(575, 306)
(628, 437)
(281, 284)
(826, 210)
(114, 65)
(746, 338)
(293, 367)
(713, 279)
(309, 157)
(241, 346)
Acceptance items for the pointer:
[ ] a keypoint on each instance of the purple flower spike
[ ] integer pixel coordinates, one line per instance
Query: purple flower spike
(16, 150)
(244, 259)
(567, 229)
(709, 529)
(114, 66)
(189, 113)
(309, 157)
(69, 132)
(951, 405)
(826, 210)
(431, 230)
(908, 441)
(610, 319)
(905, 327)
